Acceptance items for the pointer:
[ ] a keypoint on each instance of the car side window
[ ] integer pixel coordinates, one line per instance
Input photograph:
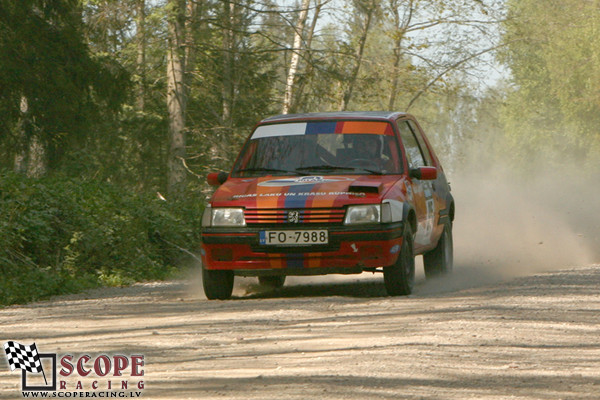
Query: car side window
(411, 146)
(419, 136)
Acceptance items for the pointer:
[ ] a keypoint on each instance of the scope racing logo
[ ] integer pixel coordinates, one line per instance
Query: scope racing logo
(101, 376)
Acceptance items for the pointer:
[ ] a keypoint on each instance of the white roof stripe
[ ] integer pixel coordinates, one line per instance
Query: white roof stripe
(280, 130)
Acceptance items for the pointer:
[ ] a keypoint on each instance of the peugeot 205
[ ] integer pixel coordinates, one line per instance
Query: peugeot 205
(329, 193)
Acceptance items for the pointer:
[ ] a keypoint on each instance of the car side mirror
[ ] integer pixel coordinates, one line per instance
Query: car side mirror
(216, 178)
(424, 173)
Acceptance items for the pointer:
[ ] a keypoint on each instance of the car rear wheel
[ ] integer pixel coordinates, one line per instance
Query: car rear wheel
(218, 284)
(399, 278)
(439, 261)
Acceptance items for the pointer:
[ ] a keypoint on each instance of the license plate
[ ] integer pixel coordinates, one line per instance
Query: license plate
(291, 238)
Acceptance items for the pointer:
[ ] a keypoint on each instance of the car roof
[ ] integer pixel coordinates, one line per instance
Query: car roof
(337, 115)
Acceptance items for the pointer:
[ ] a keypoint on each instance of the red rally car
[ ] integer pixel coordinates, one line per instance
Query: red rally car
(322, 193)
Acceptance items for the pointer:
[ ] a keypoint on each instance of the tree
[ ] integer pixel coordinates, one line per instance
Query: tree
(553, 111)
(307, 74)
(232, 84)
(52, 88)
(141, 54)
(401, 20)
(176, 98)
(365, 12)
(298, 39)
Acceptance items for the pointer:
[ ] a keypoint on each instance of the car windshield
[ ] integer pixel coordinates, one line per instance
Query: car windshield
(324, 148)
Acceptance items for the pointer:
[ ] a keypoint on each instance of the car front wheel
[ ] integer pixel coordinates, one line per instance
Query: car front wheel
(399, 278)
(218, 284)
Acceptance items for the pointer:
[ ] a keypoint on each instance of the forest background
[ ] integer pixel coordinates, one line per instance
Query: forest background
(112, 112)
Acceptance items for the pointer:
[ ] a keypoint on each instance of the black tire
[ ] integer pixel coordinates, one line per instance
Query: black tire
(439, 261)
(218, 284)
(273, 282)
(399, 278)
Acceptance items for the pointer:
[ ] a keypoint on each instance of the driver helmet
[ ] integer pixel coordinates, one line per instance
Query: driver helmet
(368, 145)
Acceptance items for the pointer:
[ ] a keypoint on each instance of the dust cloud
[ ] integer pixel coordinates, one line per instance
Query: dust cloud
(508, 225)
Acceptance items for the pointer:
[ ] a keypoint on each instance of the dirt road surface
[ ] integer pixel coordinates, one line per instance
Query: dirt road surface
(530, 337)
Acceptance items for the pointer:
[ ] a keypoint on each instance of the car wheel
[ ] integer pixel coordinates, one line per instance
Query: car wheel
(218, 284)
(273, 282)
(399, 278)
(439, 261)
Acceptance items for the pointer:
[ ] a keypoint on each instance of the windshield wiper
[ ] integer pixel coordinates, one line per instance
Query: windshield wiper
(325, 167)
(337, 167)
(371, 171)
(269, 170)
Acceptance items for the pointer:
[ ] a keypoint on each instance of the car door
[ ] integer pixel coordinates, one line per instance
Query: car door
(422, 192)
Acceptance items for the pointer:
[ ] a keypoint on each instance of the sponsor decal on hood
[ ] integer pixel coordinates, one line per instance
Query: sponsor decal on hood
(303, 180)
(302, 191)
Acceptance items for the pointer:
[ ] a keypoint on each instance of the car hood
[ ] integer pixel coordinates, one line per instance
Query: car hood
(303, 191)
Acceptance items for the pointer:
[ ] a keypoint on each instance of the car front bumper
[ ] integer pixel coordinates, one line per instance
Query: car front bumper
(349, 250)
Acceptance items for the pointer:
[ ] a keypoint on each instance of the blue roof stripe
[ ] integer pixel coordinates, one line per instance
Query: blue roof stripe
(314, 128)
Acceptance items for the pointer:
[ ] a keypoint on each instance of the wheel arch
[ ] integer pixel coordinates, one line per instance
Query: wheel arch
(450, 205)
(409, 214)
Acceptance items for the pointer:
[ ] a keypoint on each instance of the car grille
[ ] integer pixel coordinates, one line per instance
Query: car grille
(285, 216)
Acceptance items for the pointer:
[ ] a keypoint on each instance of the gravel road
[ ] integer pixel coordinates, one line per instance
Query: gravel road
(529, 337)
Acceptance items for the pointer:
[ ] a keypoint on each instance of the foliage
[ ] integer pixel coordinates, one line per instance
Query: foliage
(51, 86)
(553, 109)
(61, 235)
(231, 85)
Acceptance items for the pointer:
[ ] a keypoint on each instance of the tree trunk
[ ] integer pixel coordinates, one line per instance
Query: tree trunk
(30, 158)
(394, 88)
(141, 54)
(297, 46)
(37, 164)
(176, 100)
(400, 30)
(20, 163)
(192, 25)
(309, 62)
(228, 49)
(369, 11)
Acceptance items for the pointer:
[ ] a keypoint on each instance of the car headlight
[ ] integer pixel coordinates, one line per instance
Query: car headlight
(366, 214)
(223, 217)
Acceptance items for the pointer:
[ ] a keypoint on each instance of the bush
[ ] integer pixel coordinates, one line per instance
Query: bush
(62, 235)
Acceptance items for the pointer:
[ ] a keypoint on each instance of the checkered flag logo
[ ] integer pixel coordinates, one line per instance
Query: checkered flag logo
(23, 357)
